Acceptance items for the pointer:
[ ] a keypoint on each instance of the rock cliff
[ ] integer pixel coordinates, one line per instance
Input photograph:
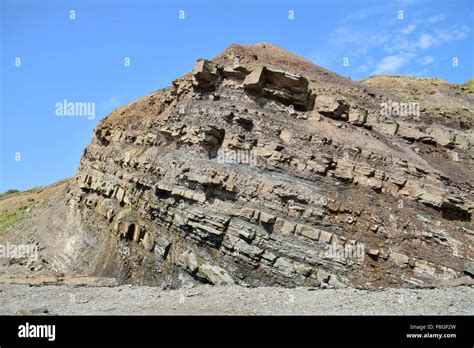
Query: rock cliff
(261, 168)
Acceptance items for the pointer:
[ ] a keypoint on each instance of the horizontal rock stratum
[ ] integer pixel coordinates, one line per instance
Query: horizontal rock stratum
(261, 168)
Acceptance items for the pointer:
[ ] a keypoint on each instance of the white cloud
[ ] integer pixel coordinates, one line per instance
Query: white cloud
(426, 41)
(391, 64)
(437, 37)
(454, 33)
(436, 19)
(368, 12)
(462, 32)
(348, 42)
(426, 60)
(379, 45)
(407, 30)
(440, 37)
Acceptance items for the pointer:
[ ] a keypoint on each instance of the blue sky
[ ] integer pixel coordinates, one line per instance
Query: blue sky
(82, 59)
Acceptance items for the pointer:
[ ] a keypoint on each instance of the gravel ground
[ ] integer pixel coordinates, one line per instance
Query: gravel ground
(202, 300)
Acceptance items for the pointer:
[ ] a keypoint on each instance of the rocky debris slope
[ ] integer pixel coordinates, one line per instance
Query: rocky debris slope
(231, 300)
(260, 168)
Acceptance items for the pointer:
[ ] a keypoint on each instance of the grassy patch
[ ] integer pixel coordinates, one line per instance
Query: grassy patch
(469, 84)
(62, 181)
(161, 90)
(10, 218)
(347, 98)
(453, 113)
(33, 189)
(363, 104)
(411, 98)
(8, 193)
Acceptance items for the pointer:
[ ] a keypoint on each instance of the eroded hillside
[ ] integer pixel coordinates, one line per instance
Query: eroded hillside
(261, 168)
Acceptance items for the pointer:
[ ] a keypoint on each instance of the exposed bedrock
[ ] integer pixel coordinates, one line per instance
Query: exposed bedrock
(258, 169)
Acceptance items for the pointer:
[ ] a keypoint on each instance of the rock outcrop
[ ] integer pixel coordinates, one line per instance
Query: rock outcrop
(337, 195)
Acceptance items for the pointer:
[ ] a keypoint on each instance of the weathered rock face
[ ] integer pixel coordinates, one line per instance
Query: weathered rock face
(219, 179)
(290, 89)
(206, 74)
(331, 107)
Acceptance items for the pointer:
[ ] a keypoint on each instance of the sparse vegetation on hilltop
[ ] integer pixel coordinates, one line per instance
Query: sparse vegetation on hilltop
(469, 84)
(9, 192)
